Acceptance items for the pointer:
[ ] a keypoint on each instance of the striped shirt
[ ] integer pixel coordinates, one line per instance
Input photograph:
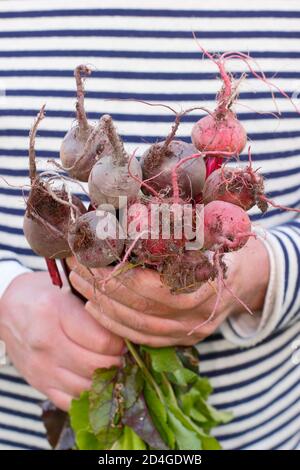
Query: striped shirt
(146, 51)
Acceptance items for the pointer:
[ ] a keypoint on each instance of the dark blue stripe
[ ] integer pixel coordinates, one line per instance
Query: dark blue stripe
(84, 53)
(12, 211)
(20, 397)
(233, 435)
(282, 443)
(2, 260)
(237, 350)
(263, 408)
(266, 373)
(261, 393)
(29, 432)
(21, 414)
(272, 212)
(297, 286)
(13, 230)
(24, 173)
(247, 364)
(12, 378)
(137, 12)
(52, 154)
(138, 117)
(141, 96)
(286, 261)
(24, 192)
(128, 75)
(270, 433)
(20, 445)
(153, 34)
(17, 250)
(149, 138)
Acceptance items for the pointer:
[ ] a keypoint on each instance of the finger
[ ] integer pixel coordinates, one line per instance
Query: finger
(147, 283)
(129, 317)
(60, 399)
(70, 383)
(121, 291)
(128, 333)
(92, 336)
(82, 362)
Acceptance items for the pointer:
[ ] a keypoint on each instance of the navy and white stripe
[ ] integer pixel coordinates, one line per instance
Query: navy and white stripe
(146, 51)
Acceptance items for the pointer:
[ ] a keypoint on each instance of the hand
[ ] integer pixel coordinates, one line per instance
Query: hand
(138, 307)
(52, 340)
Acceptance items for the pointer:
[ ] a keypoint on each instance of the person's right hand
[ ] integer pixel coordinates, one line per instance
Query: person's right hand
(52, 340)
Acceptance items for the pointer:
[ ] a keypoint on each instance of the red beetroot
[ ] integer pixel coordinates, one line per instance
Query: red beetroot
(152, 232)
(241, 186)
(220, 132)
(227, 226)
(96, 239)
(48, 211)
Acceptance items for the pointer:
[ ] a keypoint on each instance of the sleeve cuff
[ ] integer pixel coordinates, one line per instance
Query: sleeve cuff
(245, 330)
(9, 270)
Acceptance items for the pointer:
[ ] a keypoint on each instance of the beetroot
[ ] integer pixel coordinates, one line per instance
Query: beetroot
(220, 132)
(151, 227)
(159, 160)
(47, 220)
(84, 143)
(48, 211)
(114, 175)
(240, 186)
(227, 226)
(187, 272)
(96, 239)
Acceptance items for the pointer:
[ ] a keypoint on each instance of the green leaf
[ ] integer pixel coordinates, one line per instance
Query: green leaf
(214, 415)
(185, 438)
(210, 443)
(87, 441)
(129, 441)
(163, 359)
(158, 413)
(79, 412)
(204, 387)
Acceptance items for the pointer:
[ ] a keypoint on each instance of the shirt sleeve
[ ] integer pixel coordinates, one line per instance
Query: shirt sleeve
(10, 268)
(282, 302)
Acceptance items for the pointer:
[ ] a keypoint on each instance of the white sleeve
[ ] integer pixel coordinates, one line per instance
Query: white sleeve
(245, 330)
(10, 268)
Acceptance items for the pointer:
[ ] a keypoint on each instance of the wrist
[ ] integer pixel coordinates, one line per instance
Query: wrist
(250, 276)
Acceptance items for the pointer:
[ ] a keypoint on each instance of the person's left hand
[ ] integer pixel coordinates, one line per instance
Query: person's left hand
(136, 305)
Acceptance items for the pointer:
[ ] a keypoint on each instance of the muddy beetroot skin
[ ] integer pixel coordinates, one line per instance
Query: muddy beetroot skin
(227, 227)
(241, 186)
(158, 164)
(219, 133)
(188, 272)
(86, 243)
(46, 222)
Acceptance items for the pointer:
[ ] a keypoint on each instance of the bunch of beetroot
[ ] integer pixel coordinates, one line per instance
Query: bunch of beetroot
(123, 191)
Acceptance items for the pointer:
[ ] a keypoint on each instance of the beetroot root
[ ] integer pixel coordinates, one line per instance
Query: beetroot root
(96, 239)
(219, 133)
(188, 272)
(241, 186)
(46, 221)
(227, 227)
